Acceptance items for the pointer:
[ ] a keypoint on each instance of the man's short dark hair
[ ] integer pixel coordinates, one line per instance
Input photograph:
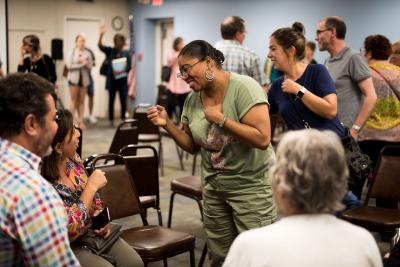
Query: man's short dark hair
(22, 94)
(338, 24)
(230, 26)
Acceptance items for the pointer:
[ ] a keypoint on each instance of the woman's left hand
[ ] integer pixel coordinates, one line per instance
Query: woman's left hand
(103, 232)
(213, 114)
(290, 86)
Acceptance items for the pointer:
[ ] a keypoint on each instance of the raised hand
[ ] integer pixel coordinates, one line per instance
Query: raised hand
(97, 180)
(102, 29)
(157, 115)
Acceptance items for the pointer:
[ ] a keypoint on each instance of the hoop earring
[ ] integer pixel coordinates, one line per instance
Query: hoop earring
(209, 75)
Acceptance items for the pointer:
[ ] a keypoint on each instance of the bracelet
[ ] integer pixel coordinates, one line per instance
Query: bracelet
(222, 123)
(356, 127)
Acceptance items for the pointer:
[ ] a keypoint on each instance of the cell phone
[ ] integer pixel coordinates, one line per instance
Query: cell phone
(101, 219)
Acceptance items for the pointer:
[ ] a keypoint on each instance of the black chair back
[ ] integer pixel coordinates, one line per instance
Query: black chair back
(126, 133)
(120, 194)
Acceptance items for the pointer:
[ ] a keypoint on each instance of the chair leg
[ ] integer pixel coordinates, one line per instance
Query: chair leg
(161, 158)
(203, 255)
(145, 213)
(194, 164)
(201, 208)
(165, 262)
(171, 205)
(159, 217)
(180, 156)
(192, 260)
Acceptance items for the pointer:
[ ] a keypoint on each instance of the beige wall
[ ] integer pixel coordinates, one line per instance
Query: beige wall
(46, 19)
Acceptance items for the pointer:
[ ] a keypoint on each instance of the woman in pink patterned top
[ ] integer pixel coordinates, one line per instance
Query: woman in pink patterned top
(63, 168)
(178, 89)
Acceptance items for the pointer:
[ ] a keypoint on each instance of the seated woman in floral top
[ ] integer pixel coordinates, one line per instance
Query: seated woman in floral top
(63, 168)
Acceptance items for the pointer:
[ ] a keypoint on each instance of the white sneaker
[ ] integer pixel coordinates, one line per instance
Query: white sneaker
(92, 119)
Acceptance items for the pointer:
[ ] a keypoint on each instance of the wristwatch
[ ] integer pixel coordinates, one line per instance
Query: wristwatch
(356, 127)
(222, 123)
(301, 92)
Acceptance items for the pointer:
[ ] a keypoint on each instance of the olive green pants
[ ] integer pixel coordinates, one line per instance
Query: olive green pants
(123, 254)
(226, 214)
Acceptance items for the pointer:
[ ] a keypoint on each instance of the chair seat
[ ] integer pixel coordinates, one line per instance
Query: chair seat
(189, 185)
(149, 138)
(155, 242)
(373, 218)
(148, 201)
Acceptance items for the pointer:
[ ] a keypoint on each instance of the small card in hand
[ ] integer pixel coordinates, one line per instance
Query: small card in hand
(101, 219)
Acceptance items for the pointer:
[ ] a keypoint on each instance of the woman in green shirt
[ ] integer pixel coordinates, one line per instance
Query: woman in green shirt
(226, 118)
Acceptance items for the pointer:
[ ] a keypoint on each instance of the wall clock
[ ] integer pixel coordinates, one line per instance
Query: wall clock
(117, 23)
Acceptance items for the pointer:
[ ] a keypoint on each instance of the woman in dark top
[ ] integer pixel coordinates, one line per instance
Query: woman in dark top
(305, 95)
(305, 91)
(36, 62)
(116, 79)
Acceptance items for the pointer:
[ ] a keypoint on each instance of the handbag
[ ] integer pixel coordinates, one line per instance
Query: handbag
(98, 244)
(104, 67)
(165, 73)
(359, 164)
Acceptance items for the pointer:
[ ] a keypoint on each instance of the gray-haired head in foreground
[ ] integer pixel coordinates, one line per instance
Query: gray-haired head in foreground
(311, 171)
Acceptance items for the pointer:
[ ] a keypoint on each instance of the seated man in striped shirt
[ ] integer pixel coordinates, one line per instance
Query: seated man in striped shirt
(33, 223)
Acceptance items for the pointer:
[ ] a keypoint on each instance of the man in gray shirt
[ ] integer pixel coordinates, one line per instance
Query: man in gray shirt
(239, 58)
(353, 82)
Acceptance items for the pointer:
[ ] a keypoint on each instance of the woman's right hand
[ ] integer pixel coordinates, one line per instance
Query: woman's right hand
(97, 180)
(102, 29)
(157, 115)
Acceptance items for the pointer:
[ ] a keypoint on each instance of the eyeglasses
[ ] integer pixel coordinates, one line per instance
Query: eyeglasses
(185, 69)
(321, 31)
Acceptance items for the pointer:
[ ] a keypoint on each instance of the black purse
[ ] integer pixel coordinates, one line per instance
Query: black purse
(98, 244)
(104, 67)
(359, 164)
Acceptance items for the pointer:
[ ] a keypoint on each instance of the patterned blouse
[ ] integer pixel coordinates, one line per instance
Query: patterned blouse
(79, 218)
(384, 121)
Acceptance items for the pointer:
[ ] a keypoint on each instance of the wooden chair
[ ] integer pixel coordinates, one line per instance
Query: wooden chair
(125, 134)
(148, 132)
(144, 172)
(191, 187)
(152, 242)
(385, 185)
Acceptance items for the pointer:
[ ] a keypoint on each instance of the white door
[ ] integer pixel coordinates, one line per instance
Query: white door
(164, 40)
(90, 28)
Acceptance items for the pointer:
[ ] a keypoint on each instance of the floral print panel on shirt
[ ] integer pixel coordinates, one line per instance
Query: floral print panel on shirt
(79, 218)
(216, 140)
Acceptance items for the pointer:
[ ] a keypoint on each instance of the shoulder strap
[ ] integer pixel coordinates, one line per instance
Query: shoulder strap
(384, 78)
(305, 123)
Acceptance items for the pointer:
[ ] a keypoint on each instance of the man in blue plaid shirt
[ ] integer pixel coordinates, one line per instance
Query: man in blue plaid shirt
(239, 58)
